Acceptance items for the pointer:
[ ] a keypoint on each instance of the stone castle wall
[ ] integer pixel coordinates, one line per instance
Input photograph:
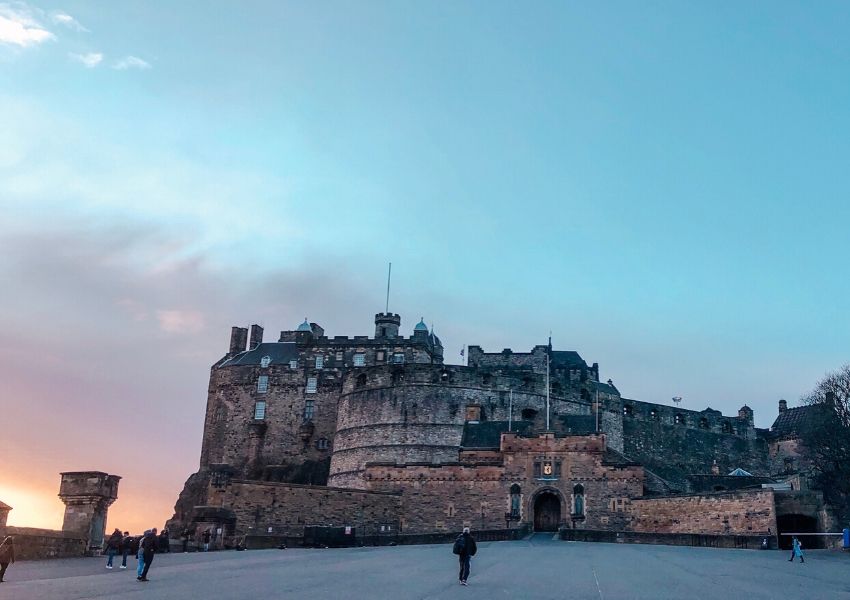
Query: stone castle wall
(287, 508)
(34, 544)
(723, 513)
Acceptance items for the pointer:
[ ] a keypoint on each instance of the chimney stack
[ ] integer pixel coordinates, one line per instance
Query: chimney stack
(256, 336)
(238, 340)
(783, 406)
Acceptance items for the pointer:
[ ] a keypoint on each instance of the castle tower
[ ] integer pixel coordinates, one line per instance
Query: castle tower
(87, 496)
(4, 513)
(386, 325)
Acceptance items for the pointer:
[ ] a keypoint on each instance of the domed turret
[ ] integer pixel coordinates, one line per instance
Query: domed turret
(421, 326)
(305, 326)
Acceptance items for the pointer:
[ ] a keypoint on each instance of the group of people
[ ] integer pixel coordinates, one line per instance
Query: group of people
(149, 544)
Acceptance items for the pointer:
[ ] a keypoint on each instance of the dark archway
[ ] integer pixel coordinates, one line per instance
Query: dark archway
(547, 512)
(795, 523)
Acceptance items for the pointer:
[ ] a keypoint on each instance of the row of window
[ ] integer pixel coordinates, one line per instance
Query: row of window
(359, 360)
(260, 410)
(263, 384)
(678, 419)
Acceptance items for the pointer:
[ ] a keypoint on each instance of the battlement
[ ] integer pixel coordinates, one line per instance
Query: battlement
(709, 420)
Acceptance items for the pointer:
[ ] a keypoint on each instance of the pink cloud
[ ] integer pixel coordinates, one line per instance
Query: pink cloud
(181, 321)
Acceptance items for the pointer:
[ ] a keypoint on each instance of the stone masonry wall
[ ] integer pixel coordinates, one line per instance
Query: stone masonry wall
(723, 513)
(34, 544)
(288, 508)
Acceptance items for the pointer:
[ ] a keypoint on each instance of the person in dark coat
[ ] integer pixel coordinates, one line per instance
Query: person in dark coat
(186, 535)
(148, 549)
(126, 548)
(206, 537)
(7, 555)
(164, 544)
(467, 547)
(112, 546)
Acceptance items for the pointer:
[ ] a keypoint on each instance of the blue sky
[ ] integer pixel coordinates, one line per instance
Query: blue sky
(662, 185)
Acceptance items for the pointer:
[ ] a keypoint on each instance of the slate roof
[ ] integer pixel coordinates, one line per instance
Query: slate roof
(566, 358)
(790, 421)
(279, 352)
(488, 434)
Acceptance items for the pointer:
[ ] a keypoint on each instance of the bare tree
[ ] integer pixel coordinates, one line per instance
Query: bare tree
(826, 439)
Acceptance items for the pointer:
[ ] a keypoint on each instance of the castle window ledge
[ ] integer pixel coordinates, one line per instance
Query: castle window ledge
(547, 478)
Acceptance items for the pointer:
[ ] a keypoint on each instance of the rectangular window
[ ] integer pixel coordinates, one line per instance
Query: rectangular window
(359, 360)
(293, 364)
(320, 362)
(260, 410)
(263, 384)
(339, 355)
(380, 356)
(537, 473)
(311, 385)
(557, 468)
(398, 358)
(308, 410)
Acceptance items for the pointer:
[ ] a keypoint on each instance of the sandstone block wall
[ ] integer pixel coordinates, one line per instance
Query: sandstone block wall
(35, 544)
(724, 513)
(288, 508)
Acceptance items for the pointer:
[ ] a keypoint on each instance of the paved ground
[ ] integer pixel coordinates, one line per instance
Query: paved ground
(539, 568)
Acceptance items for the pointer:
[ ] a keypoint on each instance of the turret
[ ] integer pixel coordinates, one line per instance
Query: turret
(238, 340)
(386, 325)
(783, 406)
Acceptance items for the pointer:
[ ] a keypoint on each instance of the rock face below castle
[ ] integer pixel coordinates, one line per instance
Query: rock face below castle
(377, 432)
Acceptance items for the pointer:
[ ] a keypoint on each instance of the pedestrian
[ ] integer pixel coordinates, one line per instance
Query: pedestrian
(164, 544)
(207, 540)
(112, 546)
(465, 547)
(148, 549)
(7, 555)
(126, 548)
(796, 550)
(140, 556)
(185, 535)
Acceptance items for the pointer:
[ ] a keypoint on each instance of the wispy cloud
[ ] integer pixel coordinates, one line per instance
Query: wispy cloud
(131, 62)
(180, 321)
(63, 18)
(20, 27)
(89, 60)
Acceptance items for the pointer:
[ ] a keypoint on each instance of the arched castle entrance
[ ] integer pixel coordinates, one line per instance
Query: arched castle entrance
(547, 510)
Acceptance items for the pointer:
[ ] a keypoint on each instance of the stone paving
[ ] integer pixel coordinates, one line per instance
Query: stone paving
(537, 568)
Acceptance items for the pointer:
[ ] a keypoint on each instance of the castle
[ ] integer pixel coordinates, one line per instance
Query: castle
(379, 434)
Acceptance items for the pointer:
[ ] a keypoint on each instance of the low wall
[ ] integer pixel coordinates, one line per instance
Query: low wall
(35, 544)
(742, 512)
(253, 542)
(751, 542)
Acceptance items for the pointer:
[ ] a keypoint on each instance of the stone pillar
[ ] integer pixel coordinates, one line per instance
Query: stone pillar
(4, 513)
(87, 496)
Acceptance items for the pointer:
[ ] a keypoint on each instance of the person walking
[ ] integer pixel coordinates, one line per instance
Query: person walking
(7, 555)
(140, 556)
(112, 546)
(164, 543)
(207, 540)
(148, 549)
(126, 547)
(465, 547)
(185, 535)
(796, 550)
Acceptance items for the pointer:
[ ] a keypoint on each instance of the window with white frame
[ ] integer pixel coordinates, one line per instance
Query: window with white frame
(339, 355)
(263, 384)
(320, 362)
(380, 356)
(265, 361)
(309, 407)
(260, 410)
(359, 360)
(398, 358)
(293, 364)
(322, 444)
(312, 383)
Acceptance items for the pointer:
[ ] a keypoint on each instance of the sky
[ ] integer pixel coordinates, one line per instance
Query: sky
(662, 185)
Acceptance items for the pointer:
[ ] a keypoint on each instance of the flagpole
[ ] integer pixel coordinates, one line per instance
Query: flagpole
(597, 409)
(511, 410)
(547, 391)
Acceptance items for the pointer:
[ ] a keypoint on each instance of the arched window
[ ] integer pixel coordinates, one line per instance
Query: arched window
(578, 500)
(528, 414)
(628, 410)
(557, 388)
(727, 427)
(703, 423)
(361, 380)
(487, 379)
(526, 382)
(653, 414)
(516, 495)
(679, 419)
